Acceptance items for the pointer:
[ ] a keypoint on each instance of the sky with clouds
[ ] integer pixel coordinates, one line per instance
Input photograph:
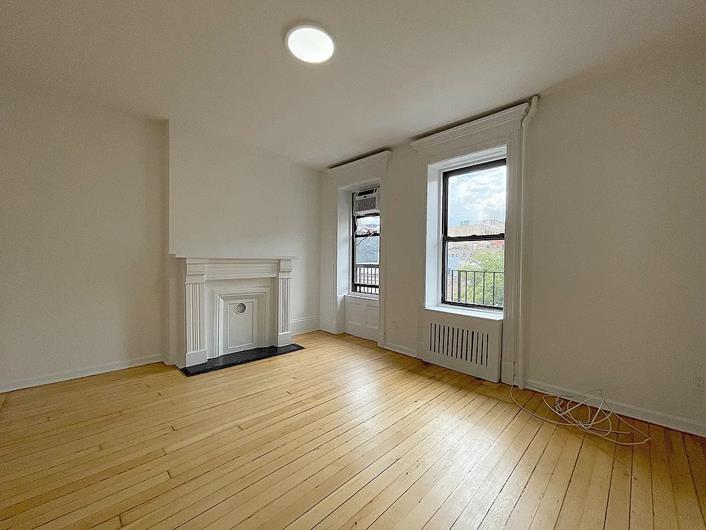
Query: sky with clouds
(477, 196)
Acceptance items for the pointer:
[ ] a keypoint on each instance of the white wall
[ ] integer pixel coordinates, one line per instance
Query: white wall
(83, 235)
(328, 245)
(616, 239)
(228, 199)
(405, 224)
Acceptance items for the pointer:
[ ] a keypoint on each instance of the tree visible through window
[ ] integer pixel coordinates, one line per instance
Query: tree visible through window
(473, 230)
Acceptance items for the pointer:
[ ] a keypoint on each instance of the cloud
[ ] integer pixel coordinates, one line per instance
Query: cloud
(477, 196)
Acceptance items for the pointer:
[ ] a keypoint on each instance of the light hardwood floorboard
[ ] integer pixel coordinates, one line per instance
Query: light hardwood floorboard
(342, 434)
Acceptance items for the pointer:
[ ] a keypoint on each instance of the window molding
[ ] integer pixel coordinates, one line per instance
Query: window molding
(471, 143)
(434, 217)
(457, 141)
(346, 178)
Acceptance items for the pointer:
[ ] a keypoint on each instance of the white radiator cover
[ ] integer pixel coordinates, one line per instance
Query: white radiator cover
(464, 343)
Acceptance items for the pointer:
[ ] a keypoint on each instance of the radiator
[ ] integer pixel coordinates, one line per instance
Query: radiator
(463, 343)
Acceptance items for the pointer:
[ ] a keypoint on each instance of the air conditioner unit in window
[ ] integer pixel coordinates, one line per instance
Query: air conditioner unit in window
(365, 202)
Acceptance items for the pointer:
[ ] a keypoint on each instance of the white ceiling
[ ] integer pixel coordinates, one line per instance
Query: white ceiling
(402, 67)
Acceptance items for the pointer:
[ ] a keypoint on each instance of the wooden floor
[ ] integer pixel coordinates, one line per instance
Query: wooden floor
(339, 435)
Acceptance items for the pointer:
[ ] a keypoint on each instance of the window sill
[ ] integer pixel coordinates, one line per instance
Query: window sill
(488, 314)
(363, 296)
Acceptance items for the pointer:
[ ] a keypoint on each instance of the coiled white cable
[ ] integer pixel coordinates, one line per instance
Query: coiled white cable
(599, 423)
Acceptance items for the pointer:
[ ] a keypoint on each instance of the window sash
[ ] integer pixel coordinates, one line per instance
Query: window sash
(446, 239)
(357, 287)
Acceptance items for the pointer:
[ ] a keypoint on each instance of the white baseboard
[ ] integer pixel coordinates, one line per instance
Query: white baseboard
(401, 349)
(679, 423)
(75, 374)
(305, 324)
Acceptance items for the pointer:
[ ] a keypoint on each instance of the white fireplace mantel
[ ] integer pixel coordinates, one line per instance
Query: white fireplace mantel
(211, 281)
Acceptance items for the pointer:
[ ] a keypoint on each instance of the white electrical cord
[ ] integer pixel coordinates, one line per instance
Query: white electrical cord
(599, 423)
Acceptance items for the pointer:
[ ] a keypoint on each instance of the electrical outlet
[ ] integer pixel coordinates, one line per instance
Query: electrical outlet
(699, 383)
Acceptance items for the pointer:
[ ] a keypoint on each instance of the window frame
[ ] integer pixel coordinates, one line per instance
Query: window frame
(354, 284)
(446, 239)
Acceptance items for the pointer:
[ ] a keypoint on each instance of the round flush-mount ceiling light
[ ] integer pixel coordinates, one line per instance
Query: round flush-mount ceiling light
(310, 43)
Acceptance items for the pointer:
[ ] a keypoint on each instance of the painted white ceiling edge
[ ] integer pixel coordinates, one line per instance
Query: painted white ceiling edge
(401, 68)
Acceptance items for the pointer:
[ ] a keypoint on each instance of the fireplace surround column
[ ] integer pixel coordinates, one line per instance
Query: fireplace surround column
(284, 277)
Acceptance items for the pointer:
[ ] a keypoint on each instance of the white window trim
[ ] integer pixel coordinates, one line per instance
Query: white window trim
(476, 312)
(481, 140)
(348, 178)
(366, 296)
(435, 176)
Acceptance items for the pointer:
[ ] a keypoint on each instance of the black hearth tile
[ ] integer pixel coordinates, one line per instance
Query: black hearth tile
(233, 359)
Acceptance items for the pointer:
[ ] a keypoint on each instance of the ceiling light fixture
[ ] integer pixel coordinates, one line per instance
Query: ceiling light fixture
(310, 43)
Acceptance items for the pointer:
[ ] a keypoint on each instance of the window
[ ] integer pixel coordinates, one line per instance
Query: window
(473, 231)
(366, 243)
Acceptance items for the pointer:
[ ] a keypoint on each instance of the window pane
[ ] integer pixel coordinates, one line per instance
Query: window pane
(366, 268)
(366, 254)
(476, 202)
(367, 225)
(475, 272)
(367, 249)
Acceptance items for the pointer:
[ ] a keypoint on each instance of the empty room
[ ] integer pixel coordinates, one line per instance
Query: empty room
(355, 264)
